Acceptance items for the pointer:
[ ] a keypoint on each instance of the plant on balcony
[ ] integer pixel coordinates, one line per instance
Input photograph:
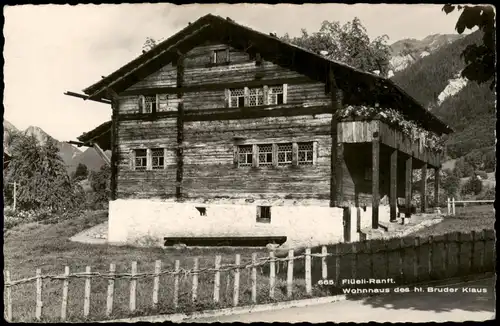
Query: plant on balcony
(394, 118)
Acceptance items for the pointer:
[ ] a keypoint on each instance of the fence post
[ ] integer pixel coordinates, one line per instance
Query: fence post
(337, 263)
(354, 260)
(401, 257)
(133, 287)
(176, 283)
(308, 271)
(289, 276)
(38, 312)
(430, 256)
(482, 254)
(254, 278)
(64, 304)
(86, 300)
(217, 279)
(156, 283)
(473, 250)
(324, 267)
(194, 293)
(459, 251)
(272, 275)
(236, 291)
(448, 205)
(111, 290)
(416, 261)
(15, 196)
(453, 206)
(8, 295)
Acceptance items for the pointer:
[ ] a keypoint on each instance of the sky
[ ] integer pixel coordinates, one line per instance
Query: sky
(50, 49)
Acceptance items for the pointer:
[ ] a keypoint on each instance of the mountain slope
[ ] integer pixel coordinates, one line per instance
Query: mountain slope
(91, 159)
(407, 51)
(66, 151)
(467, 107)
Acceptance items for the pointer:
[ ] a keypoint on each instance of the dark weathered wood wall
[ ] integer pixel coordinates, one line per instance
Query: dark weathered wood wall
(208, 145)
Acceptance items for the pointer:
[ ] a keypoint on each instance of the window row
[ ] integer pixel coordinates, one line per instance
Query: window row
(157, 103)
(276, 154)
(256, 96)
(235, 97)
(148, 159)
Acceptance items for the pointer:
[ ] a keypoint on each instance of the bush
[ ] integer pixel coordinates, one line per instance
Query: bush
(482, 174)
(472, 186)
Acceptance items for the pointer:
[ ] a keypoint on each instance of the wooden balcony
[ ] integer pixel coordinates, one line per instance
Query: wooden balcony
(365, 131)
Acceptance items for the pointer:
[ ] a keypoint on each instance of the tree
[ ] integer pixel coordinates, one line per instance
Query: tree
(81, 172)
(480, 59)
(472, 186)
(99, 182)
(349, 44)
(450, 183)
(149, 44)
(39, 171)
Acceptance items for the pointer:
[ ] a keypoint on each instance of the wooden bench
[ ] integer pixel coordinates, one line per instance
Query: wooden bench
(248, 241)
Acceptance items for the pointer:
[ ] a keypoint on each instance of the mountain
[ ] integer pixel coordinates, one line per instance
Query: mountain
(407, 51)
(468, 107)
(8, 129)
(66, 151)
(91, 159)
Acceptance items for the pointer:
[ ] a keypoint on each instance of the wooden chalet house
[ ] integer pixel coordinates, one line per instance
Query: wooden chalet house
(221, 130)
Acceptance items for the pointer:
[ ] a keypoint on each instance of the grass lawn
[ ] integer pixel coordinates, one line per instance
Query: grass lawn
(467, 219)
(33, 245)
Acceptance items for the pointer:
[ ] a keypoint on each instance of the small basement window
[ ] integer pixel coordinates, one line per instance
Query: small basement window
(141, 159)
(264, 214)
(202, 210)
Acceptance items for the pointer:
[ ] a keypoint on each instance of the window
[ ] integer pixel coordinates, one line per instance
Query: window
(284, 154)
(275, 95)
(141, 159)
(148, 104)
(264, 214)
(256, 97)
(158, 158)
(220, 56)
(305, 153)
(265, 154)
(237, 97)
(245, 155)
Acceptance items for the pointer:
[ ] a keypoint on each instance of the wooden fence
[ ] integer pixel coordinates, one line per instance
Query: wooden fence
(451, 203)
(322, 269)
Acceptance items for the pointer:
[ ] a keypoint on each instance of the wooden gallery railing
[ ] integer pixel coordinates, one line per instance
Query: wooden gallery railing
(407, 260)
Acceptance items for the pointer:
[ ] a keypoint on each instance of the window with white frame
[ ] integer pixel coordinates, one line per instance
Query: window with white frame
(285, 154)
(245, 155)
(158, 158)
(275, 95)
(141, 159)
(265, 154)
(237, 97)
(255, 96)
(305, 153)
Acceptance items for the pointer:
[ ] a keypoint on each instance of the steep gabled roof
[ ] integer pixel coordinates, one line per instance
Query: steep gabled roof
(357, 84)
